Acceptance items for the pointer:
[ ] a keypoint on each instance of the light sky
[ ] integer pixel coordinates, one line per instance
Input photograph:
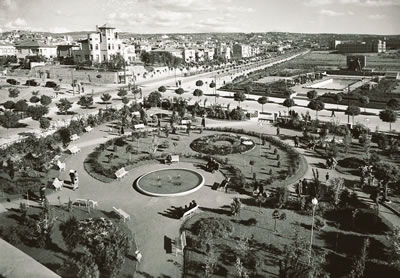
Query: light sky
(173, 16)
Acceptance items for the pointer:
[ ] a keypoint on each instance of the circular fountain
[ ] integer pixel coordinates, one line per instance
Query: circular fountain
(170, 182)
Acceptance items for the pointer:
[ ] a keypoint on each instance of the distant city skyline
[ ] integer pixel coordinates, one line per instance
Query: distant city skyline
(200, 16)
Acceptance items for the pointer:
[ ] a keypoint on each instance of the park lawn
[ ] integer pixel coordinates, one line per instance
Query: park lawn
(267, 246)
(326, 58)
(262, 164)
(56, 255)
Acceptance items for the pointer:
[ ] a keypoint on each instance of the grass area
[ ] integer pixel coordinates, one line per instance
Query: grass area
(55, 256)
(382, 61)
(340, 238)
(268, 160)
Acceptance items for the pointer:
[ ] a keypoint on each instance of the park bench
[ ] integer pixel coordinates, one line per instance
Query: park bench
(85, 202)
(121, 173)
(61, 165)
(174, 158)
(190, 211)
(136, 114)
(139, 126)
(128, 133)
(58, 184)
(74, 137)
(74, 149)
(185, 122)
(122, 214)
(88, 128)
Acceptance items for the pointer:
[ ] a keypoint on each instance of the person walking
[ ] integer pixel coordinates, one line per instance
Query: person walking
(333, 113)
(72, 176)
(203, 122)
(278, 131)
(76, 181)
(296, 141)
(327, 176)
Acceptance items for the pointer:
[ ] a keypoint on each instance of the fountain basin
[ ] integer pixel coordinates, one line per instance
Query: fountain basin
(170, 182)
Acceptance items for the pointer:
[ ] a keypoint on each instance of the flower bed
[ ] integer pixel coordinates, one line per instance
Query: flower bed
(222, 144)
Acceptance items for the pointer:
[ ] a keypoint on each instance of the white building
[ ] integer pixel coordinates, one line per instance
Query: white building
(242, 51)
(101, 46)
(7, 49)
(189, 55)
(35, 48)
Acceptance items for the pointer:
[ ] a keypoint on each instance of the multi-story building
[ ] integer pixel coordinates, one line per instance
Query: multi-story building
(241, 51)
(189, 55)
(223, 50)
(35, 48)
(101, 46)
(174, 52)
(7, 49)
(373, 46)
(65, 50)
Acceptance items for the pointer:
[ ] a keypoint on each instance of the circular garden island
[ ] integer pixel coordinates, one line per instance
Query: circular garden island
(241, 155)
(170, 182)
(222, 144)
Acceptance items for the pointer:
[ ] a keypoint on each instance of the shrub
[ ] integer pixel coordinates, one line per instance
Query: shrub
(319, 223)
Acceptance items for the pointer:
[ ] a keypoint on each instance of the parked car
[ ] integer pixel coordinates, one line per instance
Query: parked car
(32, 82)
(13, 81)
(51, 84)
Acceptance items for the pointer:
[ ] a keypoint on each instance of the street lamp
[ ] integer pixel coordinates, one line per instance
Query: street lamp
(314, 203)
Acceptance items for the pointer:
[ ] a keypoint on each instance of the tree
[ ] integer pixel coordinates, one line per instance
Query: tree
(239, 97)
(394, 239)
(106, 97)
(21, 106)
(122, 92)
(135, 91)
(64, 105)
(9, 104)
(85, 101)
(363, 100)
(199, 83)
(386, 173)
(125, 100)
(262, 101)
(9, 120)
(84, 265)
(179, 91)
(45, 100)
(388, 116)
(288, 103)
(44, 123)
(197, 93)
(358, 265)
(162, 89)
(353, 110)
(248, 90)
(154, 99)
(37, 111)
(34, 99)
(312, 94)
(317, 105)
(13, 92)
(338, 98)
(393, 104)
(70, 232)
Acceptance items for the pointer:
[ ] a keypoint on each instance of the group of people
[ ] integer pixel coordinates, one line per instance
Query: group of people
(191, 205)
(331, 163)
(212, 165)
(225, 184)
(73, 174)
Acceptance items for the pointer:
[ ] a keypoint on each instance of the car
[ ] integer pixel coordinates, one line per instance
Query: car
(51, 84)
(13, 81)
(32, 82)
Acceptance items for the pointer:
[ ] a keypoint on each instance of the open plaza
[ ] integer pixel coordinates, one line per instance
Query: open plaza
(258, 158)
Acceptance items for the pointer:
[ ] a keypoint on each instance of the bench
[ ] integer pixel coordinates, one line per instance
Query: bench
(136, 114)
(86, 203)
(185, 122)
(58, 184)
(122, 214)
(139, 126)
(60, 165)
(190, 211)
(121, 173)
(88, 128)
(74, 149)
(74, 137)
(174, 158)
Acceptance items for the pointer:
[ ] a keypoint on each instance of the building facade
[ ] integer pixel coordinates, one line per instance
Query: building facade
(371, 46)
(7, 49)
(35, 48)
(241, 51)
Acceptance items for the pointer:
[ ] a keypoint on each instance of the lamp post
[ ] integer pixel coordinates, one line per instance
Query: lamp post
(314, 202)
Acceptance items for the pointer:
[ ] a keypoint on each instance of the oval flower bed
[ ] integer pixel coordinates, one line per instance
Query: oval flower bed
(222, 144)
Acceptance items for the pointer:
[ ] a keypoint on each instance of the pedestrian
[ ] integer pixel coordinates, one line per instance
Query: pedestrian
(122, 130)
(166, 132)
(296, 141)
(327, 176)
(278, 131)
(203, 122)
(72, 176)
(333, 113)
(83, 89)
(299, 188)
(76, 181)
(138, 256)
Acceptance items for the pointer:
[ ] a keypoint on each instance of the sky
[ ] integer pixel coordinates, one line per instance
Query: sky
(193, 16)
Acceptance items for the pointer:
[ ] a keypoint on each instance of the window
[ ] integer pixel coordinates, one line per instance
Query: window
(86, 57)
(109, 46)
(97, 57)
(104, 57)
(90, 46)
(119, 47)
(91, 57)
(97, 46)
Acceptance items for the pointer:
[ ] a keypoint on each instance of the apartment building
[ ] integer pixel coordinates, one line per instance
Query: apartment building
(189, 55)
(7, 49)
(366, 46)
(242, 51)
